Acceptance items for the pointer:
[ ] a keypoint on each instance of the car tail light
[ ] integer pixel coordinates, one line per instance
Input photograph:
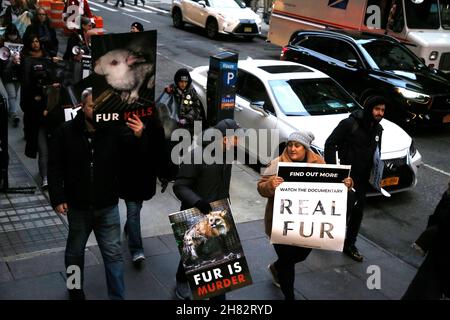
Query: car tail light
(283, 52)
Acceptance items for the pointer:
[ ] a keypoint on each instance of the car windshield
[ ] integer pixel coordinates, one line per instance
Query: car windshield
(423, 15)
(297, 97)
(388, 55)
(224, 4)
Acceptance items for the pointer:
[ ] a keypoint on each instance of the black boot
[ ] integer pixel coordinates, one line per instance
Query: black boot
(352, 252)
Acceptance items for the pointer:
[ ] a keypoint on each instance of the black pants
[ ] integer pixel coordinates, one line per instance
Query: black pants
(354, 215)
(117, 3)
(181, 277)
(288, 256)
(426, 284)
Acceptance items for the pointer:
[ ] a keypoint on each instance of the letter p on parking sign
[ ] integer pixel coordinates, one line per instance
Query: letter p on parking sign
(229, 73)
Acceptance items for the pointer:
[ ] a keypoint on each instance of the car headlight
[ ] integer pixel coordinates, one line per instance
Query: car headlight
(413, 95)
(412, 149)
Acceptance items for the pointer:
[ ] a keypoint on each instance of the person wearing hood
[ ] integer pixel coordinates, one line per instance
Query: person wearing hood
(197, 185)
(187, 100)
(298, 149)
(354, 142)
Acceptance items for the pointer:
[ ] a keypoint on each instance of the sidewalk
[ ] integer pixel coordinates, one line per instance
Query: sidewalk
(32, 240)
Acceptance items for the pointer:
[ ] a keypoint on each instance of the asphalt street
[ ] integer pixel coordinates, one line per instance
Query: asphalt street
(394, 223)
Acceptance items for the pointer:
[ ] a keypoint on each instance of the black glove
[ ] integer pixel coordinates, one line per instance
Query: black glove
(164, 183)
(203, 206)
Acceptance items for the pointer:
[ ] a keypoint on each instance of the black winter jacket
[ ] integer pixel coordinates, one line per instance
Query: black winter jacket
(141, 168)
(356, 140)
(207, 182)
(81, 177)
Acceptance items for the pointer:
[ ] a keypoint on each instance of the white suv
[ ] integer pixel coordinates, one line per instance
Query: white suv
(217, 16)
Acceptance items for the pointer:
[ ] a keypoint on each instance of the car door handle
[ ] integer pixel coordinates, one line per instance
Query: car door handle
(238, 108)
(332, 63)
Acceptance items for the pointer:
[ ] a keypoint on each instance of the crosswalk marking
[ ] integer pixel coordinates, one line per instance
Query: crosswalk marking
(130, 15)
(103, 7)
(93, 9)
(135, 9)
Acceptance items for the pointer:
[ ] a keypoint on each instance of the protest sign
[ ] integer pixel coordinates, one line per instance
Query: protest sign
(124, 67)
(210, 250)
(310, 206)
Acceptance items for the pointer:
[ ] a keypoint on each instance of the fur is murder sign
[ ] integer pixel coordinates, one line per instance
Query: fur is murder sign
(211, 251)
(310, 206)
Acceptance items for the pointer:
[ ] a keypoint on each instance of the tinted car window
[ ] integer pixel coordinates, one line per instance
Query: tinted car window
(252, 89)
(390, 56)
(311, 97)
(317, 44)
(342, 51)
(333, 48)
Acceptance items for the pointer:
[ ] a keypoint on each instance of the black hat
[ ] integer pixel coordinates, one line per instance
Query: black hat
(182, 75)
(138, 26)
(225, 124)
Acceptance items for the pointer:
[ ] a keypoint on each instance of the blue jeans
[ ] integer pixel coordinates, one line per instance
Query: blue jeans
(106, 226)
(133, 226)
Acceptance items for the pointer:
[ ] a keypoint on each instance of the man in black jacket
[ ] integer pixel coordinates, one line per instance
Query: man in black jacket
(138, 181)
(197, 185)
(355, 141)
(83, 183)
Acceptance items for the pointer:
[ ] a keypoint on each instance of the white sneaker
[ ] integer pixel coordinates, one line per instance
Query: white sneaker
(138, 257)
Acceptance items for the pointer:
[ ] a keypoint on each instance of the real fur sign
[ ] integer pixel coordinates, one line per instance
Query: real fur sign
(210, 250)
(310, 206)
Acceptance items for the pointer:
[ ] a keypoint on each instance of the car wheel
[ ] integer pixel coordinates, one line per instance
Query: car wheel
(177, 19)
(249, 38)
(212, 29)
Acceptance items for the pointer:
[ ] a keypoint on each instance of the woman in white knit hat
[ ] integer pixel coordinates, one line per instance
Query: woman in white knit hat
(298, 149)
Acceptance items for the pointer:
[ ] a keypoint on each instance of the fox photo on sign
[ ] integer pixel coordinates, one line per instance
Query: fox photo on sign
(310, 206)
(210, 250)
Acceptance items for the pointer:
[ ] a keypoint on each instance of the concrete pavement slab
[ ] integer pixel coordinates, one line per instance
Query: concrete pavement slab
(44, 264)
(395, 275)
(47, 287)
(5, 274)
(164, 268)
(258, 291)
(334, 284)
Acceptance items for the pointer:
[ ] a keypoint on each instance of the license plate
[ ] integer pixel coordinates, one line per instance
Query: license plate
(247, 29)
(392, 181)
(446, 119)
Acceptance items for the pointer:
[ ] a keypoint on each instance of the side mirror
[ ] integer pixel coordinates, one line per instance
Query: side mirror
(259, 106)
(202, 3)
(352, 63)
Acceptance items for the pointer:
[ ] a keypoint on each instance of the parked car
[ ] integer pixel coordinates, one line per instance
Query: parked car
(288, 96)
(367, 65)
(217, 16)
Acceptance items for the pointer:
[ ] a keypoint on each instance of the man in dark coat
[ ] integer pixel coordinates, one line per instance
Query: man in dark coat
(83, 183)
(432, 280)
(355, 141)
(137, 181)
(197, 185)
